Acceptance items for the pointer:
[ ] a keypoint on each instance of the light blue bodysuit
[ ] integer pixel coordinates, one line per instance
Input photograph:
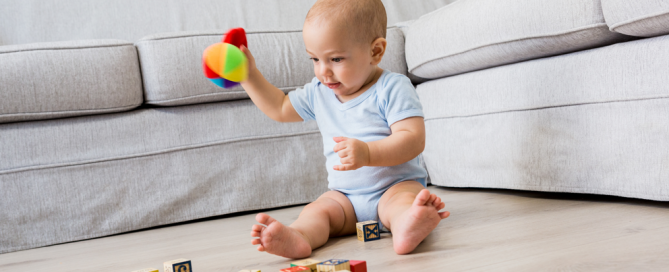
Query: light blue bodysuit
(367, 118)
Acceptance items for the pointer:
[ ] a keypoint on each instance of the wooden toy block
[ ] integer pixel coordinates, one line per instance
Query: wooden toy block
(178, 265)
(358, 266)
(368, 231)
(334, 265)
(311, 263)
(147, 270)
(296, 269)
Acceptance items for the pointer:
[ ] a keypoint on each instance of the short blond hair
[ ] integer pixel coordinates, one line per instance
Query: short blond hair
(365, 19)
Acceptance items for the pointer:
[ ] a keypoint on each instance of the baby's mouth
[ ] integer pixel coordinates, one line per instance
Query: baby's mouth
(333, 85)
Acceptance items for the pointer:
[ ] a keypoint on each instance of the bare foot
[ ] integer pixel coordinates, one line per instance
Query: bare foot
(411, 227)
(278, 239)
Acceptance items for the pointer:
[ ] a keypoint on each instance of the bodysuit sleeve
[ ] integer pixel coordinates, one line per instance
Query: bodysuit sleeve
(399, 99)
(302, 100)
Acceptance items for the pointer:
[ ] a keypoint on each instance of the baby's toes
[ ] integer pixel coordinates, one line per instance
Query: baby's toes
(255, 233)
(255, 241)
(422, 198)
(440, 206)
(431, 200)
(257, 227)
(436, 201)
(264, 219)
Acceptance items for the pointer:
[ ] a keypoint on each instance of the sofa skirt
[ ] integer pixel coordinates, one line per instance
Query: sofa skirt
(78, 178)
(591, 122)
(618, 148)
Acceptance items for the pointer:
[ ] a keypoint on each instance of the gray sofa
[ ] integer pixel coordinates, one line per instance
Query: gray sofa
(108, 125)
(100, 136)
(558, 96)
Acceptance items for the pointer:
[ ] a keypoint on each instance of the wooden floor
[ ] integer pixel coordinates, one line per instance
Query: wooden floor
(489, 230)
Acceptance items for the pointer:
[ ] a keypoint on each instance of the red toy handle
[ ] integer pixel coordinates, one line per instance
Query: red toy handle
(236, 37)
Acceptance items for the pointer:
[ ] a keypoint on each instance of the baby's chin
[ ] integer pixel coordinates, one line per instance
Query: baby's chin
(345, 93)
(341, 90)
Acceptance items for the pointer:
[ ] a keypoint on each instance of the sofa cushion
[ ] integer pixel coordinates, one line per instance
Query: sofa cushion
(644, 18)
(30, 21)
(91, 176)
(470, 35)
(172, 64)
(587, 122)
(60, 79)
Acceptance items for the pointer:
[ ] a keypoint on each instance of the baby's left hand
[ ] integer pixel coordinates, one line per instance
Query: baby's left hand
(353, 153)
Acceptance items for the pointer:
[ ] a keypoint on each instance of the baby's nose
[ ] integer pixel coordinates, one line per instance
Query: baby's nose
(326, 71)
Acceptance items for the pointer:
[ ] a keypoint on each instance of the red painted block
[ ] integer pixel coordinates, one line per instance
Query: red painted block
(358, 266)
(296, 269)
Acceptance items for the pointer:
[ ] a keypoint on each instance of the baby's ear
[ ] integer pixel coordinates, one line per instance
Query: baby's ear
(378, 49)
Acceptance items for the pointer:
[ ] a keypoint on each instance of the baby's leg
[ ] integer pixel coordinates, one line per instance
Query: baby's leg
(330, 215)
(410, 212)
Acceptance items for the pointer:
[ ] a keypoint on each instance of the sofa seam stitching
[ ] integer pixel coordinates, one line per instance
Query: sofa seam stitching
(223, 33)
(543, 189)
(66, 48)
(215, 34)
(548, 107)
(153, 153)
(71, 111)
(613, 27)
(212, 94)
(570, 31)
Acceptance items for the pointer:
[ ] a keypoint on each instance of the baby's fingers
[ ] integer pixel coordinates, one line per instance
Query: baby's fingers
(339, 147)
(342, 154)
(343, 167)
(246, 51)
(248, 54)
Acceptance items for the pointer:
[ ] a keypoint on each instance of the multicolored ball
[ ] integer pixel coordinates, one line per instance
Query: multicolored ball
(224, 63)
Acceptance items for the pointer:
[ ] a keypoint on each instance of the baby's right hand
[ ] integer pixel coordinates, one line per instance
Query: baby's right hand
(249, 57)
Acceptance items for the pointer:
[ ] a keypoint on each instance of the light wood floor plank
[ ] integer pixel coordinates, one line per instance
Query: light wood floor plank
(489, 230)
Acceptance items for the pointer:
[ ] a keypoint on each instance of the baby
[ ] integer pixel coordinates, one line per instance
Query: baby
(373, 131)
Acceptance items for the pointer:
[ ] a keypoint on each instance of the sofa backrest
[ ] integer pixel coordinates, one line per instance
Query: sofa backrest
(30, 21)
(172, 66)
(642, 18)
(62, 79)
(57, 59)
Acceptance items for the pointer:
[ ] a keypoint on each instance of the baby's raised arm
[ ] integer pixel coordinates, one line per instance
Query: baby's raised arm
(268, 98)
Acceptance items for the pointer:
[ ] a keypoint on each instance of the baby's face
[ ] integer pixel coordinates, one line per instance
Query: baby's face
(340, 63)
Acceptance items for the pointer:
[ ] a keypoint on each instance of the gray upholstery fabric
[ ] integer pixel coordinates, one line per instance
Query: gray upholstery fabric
(29, 21)
(172, 64)
(470, 35)
(617, 148)
(644, 18)
(60, 79)
(587, 122)
(71, 179)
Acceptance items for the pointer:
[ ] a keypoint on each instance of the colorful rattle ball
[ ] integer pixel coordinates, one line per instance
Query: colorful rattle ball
(224, 63)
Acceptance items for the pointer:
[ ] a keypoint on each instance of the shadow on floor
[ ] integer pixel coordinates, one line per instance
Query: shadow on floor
(560, 196)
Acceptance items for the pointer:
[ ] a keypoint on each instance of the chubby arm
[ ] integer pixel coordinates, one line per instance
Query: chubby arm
(268, 98)
(406, 142)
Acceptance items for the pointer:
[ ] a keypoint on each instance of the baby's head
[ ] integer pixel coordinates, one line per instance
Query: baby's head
(346, 40)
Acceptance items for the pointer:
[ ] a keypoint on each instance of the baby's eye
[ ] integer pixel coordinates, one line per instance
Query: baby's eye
(336, 59)
(314, 59)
